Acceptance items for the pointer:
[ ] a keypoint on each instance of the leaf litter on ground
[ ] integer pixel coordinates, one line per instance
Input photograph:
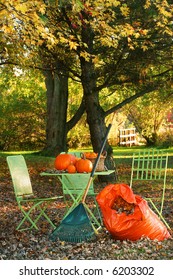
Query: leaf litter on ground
(35, 245)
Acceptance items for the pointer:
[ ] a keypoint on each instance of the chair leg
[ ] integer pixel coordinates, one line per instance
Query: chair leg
(26, 217)
(42, 213)
(159, 213)
(98, 212)
(34, 222)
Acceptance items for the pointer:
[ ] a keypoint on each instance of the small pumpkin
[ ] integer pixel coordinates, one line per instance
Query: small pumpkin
(62, 161)
(71, 168)
(84, 165)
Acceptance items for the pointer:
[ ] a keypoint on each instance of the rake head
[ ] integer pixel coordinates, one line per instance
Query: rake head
(76, 227)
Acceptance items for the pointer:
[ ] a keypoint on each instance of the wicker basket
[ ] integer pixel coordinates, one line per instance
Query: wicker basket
(101, 163)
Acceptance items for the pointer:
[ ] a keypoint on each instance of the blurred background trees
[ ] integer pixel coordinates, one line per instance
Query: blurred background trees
(95, 58)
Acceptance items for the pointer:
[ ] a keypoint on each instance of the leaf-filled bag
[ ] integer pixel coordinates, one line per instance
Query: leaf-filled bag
(128, 216)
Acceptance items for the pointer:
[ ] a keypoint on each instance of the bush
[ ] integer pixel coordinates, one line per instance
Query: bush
(165, 140)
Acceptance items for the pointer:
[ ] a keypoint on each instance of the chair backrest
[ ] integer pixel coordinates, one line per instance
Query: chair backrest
(20, 176)
(149, 165)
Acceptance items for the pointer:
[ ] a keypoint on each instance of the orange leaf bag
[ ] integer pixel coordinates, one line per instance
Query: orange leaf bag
(128, 216)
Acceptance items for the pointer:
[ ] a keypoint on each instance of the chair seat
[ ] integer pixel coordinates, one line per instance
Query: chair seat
(34, 199)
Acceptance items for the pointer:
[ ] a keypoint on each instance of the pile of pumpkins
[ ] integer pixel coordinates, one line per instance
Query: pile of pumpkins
(72, 164)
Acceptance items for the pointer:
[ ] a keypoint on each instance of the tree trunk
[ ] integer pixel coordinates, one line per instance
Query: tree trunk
(95, 116)
(95, 113)
(57, 100)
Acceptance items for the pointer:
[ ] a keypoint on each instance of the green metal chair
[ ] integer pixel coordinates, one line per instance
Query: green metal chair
(24, 194)
(151, 165)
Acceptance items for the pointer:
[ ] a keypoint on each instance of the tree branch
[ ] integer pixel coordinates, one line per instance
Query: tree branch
(71, 123)
(148, 89)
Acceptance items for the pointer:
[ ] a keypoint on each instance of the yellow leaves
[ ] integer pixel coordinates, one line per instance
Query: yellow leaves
(129, 40)
(164, 28)
(164, 23)
(136, 35)
(144, 48)
(126, 30)
(103, 25)
(164, 9)
(77, 5)
(63, 40)
(124, 10)
(168, 31)
(106, 3)
(95, 60)
(42, 9)
(114, 3)
(147, 4)
(133, 34)
(108, 41)
(85, 55)
(73, 45)
(27, 7)
(2, 13)
(89, 57)
(144, 31)
(21, 8)
(51, 41)
(7, 29)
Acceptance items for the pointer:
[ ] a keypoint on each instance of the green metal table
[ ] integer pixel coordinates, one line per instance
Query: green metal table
(73, 186)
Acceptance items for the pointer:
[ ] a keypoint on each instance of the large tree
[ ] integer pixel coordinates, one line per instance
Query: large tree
(114, 44)
(101, 43)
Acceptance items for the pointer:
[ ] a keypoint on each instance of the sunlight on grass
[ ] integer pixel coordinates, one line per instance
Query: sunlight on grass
(118, 152)
(17, 152)
(127, 152)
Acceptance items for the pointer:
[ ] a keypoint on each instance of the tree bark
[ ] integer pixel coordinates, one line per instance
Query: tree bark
(96, 120)
(57, 100)
(96, 116)
(95, 113)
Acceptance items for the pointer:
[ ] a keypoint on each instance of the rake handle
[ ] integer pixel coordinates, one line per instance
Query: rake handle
(96, 163)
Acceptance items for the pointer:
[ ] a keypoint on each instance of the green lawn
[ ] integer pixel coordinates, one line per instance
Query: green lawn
(120, 154)
(128, 151)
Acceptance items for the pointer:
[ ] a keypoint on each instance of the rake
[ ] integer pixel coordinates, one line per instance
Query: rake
(76, 226)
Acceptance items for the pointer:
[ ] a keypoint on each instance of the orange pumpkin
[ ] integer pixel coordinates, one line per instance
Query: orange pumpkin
(73, 159)
(84, 165)
(77, 159)
(90, 155)
(62, 161)
(71, 168)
